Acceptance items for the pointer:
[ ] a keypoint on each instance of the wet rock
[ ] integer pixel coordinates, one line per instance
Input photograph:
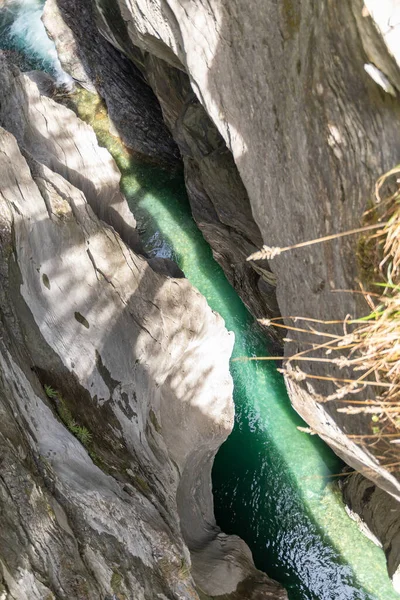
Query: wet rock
(377, 514)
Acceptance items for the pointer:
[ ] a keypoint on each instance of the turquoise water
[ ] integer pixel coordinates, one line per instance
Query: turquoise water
(22, 31)
(272, 484)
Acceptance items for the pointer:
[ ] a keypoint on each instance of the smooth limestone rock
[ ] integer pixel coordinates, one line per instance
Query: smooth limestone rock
(219, 201)
(289, 87)
(23, 111)
(132, 356)
(310, 131)
(308, 146)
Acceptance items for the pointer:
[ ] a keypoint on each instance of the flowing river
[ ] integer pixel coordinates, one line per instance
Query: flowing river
(273, 485)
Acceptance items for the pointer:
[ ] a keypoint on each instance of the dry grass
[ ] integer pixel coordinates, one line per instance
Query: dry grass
(369, 347)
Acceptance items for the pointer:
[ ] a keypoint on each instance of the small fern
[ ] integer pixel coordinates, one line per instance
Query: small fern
(50, 392)
(79, 431)
(83, 434)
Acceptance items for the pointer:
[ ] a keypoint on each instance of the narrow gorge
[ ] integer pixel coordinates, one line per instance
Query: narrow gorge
(147, 150)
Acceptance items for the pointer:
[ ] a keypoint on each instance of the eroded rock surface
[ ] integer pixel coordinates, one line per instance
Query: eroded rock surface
(309, 130)
(101, 476)
(371, 505)
(219, 200)
(23, 112)
(98, 66)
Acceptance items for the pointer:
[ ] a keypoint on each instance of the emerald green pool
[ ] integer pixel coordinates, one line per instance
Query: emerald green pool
(272, 484)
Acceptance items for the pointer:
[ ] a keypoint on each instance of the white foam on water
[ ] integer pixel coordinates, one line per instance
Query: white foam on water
(28, 35)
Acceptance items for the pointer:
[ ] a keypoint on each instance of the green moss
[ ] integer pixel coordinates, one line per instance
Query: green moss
(64, 413)
(116, 581)
(366, 249)
(50, 511)
(8, 250)
(292, 17)
(369, 252)
(91, 108)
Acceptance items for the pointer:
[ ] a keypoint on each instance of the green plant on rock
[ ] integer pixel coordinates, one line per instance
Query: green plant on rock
(79, 431)
(82, 433)
(116, 581)
(50, 392)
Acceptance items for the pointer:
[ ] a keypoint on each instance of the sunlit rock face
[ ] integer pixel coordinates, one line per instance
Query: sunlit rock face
(289, 88)
(219, 200)
(386, 14)
(103, 472)
(309, 130)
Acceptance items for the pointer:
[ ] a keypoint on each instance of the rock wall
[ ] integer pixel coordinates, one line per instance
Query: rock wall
(98, 66)
(219, 201)
(370, 505)
(218, 198)
(309, 130)
(113, 399)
